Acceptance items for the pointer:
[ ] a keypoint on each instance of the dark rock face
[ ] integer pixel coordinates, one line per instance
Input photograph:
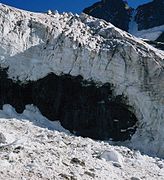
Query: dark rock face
(150, 15)
(113, 11)
(118, 13)
(161, 38)
(81, 106)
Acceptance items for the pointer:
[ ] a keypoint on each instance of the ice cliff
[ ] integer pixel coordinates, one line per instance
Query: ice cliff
(34, 45)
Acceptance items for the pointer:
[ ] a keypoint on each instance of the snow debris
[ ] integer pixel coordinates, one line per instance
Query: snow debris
(31, 112)
(113, 156)
(40, 153)
(49, 12)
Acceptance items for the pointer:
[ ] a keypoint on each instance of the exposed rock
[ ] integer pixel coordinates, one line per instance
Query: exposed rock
(35, 45)
(77, 161)
(150, 15)
(135, 178)
(160, 165)
(116, 164)
(2, 138)
(64, 176)
(113, 11)
(90, 174)
(161, 38)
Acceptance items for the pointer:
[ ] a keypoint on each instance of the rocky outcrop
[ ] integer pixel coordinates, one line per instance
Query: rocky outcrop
(161, 38)
(113, 11)
(150, 15)
(36, 46)
(118, 13)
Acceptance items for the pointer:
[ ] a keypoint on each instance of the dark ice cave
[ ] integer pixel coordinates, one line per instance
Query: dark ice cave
(82, 107)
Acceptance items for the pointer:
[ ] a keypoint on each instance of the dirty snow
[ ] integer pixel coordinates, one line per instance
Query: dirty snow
(33, 151)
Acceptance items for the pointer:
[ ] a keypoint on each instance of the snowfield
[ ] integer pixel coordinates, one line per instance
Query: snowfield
(33, 151)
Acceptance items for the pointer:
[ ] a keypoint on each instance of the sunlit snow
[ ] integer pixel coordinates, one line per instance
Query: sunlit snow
(32, 151)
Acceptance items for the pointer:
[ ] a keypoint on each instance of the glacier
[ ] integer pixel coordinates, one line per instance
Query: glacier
(34, 45)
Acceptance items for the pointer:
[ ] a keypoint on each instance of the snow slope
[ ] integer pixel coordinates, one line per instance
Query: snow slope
(34, 45)
(32, 151)
(150, 34)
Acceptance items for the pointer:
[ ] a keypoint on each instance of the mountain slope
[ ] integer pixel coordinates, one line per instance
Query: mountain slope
(112, 11)
(145, 22)
(150, 15)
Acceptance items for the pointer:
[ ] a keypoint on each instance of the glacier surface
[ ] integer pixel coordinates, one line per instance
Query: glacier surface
(34, 45)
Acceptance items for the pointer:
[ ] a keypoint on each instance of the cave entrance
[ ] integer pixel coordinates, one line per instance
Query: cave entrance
(82, 107)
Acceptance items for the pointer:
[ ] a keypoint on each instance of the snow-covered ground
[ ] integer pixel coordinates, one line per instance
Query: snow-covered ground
(37, 150)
